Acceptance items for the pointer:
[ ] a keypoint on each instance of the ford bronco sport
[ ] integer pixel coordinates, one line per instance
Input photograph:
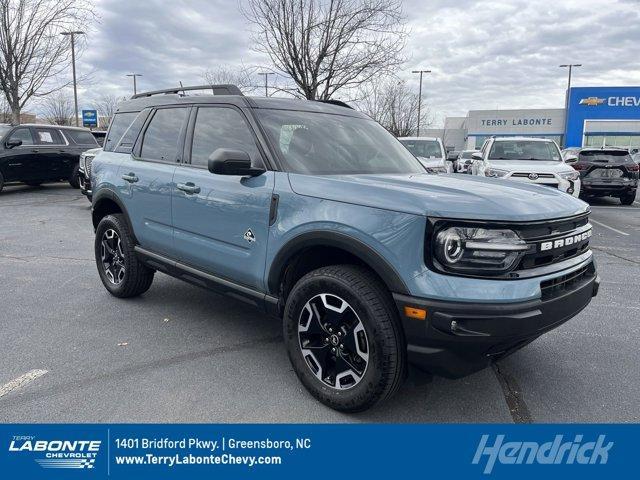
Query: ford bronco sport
(314, 213)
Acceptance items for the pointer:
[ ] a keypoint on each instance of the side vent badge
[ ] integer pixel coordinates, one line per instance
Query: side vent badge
(249, 236)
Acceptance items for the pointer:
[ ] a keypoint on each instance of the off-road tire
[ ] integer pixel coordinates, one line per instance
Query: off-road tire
(137, 277)
(373, 305)
(74, 179)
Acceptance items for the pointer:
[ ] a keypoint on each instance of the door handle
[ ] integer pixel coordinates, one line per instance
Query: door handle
(189, 188)
(130, 177)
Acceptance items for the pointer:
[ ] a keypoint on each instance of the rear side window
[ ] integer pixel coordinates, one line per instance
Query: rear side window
(47, 136)
(23, 134)
(605, 156)
(119, 125)
(220, 128)
(81, 137)
(161, 138)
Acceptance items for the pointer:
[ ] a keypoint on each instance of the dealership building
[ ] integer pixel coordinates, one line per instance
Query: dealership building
(595, 116)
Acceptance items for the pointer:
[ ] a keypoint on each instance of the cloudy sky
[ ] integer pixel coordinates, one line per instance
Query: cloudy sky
(483, 54)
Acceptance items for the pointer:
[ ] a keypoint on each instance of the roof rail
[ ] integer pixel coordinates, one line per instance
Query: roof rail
(339, 103)
(216, 89)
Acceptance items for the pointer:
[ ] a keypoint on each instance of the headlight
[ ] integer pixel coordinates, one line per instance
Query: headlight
(495, 172)
(436, 170)
(481, 251)
(570, 175)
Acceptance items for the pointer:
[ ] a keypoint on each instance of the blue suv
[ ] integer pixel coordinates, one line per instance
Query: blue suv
(314, 213)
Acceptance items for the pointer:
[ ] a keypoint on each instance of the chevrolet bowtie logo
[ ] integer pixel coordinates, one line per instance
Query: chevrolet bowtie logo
(592, 101)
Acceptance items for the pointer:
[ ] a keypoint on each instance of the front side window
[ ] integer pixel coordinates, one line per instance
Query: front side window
(47, 136)
(119, 125)
(220, 128)
(23, 134)
(423, 148)
(524, 150)
(162, 136)
(328, 144)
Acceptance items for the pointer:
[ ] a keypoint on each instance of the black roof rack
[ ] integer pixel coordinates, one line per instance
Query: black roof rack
(339, 103)
(215, 89)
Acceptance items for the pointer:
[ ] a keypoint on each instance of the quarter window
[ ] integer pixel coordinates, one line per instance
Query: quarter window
(81, 137)
(23, 134)
(221, 128)
(119, 125)
(161, 139)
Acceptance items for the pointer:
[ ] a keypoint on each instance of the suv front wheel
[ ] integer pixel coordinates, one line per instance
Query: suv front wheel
(122, 274)
(343, 338)
(628, 199)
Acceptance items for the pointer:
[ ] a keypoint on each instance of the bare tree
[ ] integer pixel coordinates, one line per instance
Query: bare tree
(392, 104)
(5, 111)
(223, 74)
(32, 51)
(58, 108)
(329, 45)
(106, 106)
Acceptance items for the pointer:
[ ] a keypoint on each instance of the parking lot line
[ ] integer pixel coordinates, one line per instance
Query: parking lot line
(21, 381)
(607, 226)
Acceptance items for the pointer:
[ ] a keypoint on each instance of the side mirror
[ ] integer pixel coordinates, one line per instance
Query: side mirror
(571, 158)
(477, 156)
(13, 143)
(232, 162)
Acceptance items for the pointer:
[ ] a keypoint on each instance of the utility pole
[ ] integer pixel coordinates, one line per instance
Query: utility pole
(266, 82)
(135, 86)
(73, 67)
(566, 98)
(421, 72)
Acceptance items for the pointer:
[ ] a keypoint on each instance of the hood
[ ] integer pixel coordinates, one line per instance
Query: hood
(432, 161)
(527, 166)
(454, 196)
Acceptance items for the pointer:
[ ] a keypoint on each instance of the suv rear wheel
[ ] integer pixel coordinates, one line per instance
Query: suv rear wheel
(122, 274)
(628, 199)
(343, 338)
(74, 179)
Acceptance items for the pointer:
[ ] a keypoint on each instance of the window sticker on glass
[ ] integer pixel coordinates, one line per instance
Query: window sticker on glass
(45, 137)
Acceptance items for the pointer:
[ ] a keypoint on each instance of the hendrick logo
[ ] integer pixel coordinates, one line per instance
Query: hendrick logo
(555, 452)
(565, 241)
(58, 453)
(249, 236)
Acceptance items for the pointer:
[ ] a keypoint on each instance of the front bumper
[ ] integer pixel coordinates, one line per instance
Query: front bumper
(457, 339)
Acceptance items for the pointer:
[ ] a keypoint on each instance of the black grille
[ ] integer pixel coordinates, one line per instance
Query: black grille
(526, 175)
(87, 165)
(566, 283)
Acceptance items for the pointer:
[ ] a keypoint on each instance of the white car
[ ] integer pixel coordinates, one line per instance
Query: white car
(430, 152)
(527, 159)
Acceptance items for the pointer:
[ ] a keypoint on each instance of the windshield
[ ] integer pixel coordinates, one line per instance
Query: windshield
(423, 148)
(524, 150)
(327, 144)
(605, 156)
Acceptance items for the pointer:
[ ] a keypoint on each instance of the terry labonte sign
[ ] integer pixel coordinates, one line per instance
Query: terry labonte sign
(516, 122)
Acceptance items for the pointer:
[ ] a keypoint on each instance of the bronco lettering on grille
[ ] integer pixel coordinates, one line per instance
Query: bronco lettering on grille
(565, 242)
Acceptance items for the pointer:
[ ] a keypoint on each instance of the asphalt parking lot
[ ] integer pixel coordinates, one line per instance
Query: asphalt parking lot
(183, 354)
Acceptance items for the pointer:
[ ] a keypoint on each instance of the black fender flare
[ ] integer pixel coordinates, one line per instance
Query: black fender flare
(330, 238)
(106, 194)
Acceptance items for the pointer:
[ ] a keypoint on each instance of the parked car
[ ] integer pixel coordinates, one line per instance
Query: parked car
(84, 171)
(99, 136)
(35, 154)
(608, 172)
(525, 159)
(314, 213)
(464, 161)
(430, 151)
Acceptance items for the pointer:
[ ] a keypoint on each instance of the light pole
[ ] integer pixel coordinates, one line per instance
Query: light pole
(73, 67)
(266, 82)
(421, 72)
(566, 98)
(135, 86)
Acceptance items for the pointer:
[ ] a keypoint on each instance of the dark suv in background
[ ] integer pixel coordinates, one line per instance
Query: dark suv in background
(35, 154)
(605, 172)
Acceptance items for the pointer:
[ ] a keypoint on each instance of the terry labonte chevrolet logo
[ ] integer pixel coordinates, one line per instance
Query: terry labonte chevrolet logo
(592, 101)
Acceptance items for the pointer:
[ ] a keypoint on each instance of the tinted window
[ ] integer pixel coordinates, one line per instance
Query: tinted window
(160, 141)
(119, 125)
(23, 134)
(605, 156)
(423, 148)
(220, 128)
(325, 144)
(81, 137)
(47, 136)
(524, 150)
